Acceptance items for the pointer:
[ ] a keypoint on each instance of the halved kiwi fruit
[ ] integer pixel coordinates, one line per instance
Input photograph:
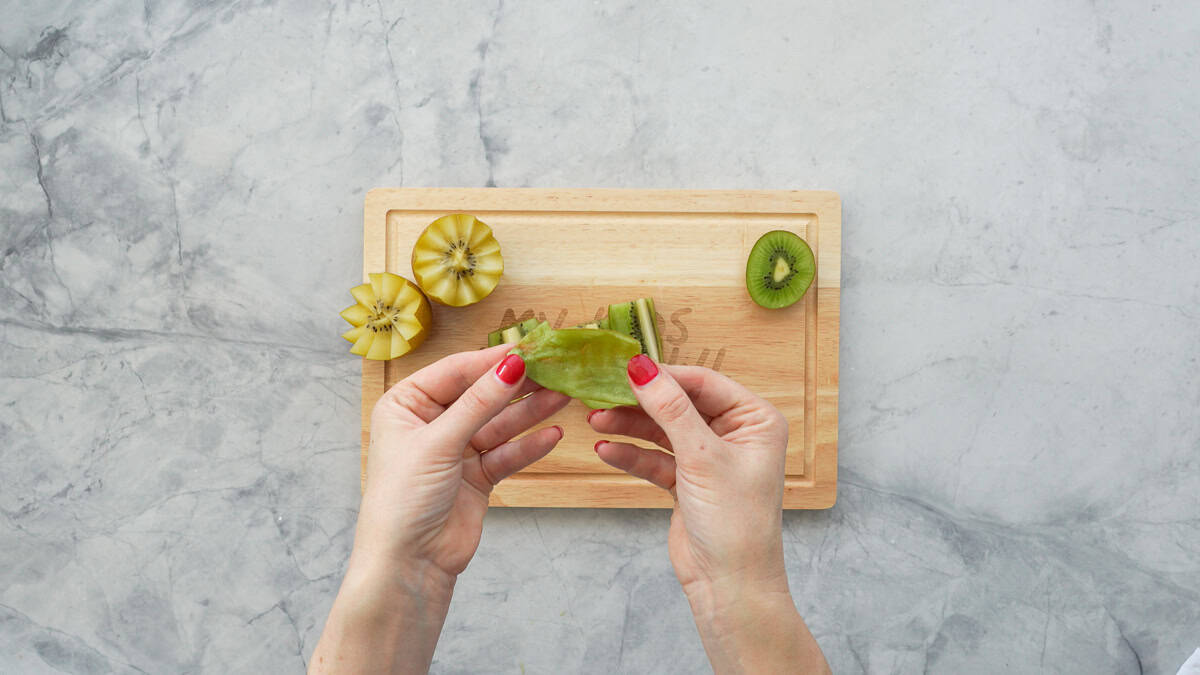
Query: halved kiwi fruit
(780, 269)
(390, 319)
(638, 320)
(457, 261)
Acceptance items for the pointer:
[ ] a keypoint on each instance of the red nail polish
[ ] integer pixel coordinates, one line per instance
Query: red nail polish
(510, 369)
(591, 415)
(642, 369)
(561, 433)
(596, 447)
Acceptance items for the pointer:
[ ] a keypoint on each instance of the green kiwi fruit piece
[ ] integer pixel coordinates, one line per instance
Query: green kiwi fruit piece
(779, 270)
(638, 320)
(512, 333)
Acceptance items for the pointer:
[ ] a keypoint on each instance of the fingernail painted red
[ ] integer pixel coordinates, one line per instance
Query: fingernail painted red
(642, 369)
(561, 433)
(596, 447)
(591, 415)
(510, 369)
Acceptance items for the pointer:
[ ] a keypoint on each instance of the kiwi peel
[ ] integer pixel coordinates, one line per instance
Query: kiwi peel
(584, 363)
(636, 318)
(779, 270)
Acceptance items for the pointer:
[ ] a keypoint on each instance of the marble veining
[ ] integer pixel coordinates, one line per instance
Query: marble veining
(180, 217)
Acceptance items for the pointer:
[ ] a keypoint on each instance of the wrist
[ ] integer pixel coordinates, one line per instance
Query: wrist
(387, 617)
(399, 582)
(748, 623)
(725, 601)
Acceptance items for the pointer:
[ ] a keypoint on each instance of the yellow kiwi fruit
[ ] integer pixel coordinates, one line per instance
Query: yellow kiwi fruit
(457, 260)
(390, 318)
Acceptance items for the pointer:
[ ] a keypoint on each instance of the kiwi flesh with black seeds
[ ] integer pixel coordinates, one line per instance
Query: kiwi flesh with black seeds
(779, 270)
(638, 320)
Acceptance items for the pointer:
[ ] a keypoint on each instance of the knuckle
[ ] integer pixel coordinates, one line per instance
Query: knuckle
(405, 396)
(473, 401)
(674, 407)
(394, 399)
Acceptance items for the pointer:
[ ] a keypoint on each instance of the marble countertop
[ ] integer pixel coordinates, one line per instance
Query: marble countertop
(181, 191)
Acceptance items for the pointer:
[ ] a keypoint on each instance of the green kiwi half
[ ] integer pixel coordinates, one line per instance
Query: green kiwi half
(638, 320)
(780, 269)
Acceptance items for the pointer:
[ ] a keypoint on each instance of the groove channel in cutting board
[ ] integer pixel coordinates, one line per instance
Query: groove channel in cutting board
(564, 266)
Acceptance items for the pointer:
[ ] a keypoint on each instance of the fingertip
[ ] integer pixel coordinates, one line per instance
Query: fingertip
(591, 414)
(561, 433)
(596, 447)
(511, 370)
(641, 370)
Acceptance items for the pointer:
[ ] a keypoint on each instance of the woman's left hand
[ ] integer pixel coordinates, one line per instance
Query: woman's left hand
(440, 441)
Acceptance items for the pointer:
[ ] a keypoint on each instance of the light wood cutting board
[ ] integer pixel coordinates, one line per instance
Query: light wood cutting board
(570, 253)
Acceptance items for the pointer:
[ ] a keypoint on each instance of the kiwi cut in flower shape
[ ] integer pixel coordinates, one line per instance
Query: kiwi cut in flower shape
(390, 318)
(457, 260)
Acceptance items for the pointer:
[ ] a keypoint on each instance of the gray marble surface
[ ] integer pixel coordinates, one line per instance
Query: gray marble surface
(181, 190)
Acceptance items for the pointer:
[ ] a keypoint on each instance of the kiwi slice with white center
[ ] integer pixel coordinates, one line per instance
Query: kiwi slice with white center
(390, 319)
(457, 260)
(780, 269)
(638, 320)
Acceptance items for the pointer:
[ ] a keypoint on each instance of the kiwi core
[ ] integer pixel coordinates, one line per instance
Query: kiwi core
(781, 270)
(459, 259)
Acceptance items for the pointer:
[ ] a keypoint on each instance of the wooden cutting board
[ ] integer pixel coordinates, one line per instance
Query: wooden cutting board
(570, 253)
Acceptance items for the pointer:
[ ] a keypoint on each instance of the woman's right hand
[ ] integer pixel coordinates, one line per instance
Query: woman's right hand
(726, 472)
(724, 465)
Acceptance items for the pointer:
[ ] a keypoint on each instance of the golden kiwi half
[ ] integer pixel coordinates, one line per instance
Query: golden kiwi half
(390, 319)
(457, 260)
